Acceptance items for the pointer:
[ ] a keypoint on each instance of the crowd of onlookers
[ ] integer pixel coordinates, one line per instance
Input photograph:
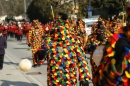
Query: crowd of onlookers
(18, 29)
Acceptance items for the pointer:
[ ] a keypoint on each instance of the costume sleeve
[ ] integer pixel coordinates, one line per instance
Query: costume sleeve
(83, 67)
(29, 38)
(107, 75)
(120, 51)
(5, 43)
(110, 72)
(42, 32)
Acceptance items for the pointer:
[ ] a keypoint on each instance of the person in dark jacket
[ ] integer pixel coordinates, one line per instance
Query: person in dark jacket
(3, 46)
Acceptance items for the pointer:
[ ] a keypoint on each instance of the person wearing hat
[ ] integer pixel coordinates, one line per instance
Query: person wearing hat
(66, 55)
(3, 46)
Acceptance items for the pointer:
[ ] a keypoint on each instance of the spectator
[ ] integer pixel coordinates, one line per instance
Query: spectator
(3, 46)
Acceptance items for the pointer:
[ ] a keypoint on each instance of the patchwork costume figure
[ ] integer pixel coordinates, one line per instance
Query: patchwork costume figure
(81, 33)
(65, 57)
(96, 39)
(114, 68)
(35, 41)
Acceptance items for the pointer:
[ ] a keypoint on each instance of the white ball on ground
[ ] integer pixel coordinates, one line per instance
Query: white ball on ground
(25, 65)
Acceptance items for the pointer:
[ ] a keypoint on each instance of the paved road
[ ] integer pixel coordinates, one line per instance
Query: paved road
(15, 52)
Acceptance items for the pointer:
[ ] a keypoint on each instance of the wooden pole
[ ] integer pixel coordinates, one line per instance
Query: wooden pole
(123, 17)
(52, 12)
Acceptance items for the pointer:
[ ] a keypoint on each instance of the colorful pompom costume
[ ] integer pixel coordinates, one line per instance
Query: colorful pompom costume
(96, 38)
(65, 57)
(34, 40)
(80, 32)
(114, 68)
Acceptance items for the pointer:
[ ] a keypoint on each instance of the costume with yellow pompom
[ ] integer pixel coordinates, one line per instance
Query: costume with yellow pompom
(114, 68)
(65, 57)
(80, 32)
(34, 40)
(97, 38)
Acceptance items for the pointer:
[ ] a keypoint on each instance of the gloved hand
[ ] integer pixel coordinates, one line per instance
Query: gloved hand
(29, 45)
(43, 37)
(92, 48)
(42, 53)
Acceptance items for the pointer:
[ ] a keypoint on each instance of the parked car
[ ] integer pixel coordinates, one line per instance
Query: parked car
(89, 22)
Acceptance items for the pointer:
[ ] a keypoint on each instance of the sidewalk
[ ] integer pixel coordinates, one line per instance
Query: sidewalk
(10, 75)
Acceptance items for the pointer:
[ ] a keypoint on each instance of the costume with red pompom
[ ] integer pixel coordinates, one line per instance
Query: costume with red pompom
(114, 68)
(80, 32)
(34, 40)
(66, 55)
(97, 38)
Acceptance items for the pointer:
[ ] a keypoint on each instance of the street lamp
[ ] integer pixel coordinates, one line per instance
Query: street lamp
(75, 8)
(89, 2)
(25, 7)
(2, 8)
(89, 9)
(11, 2)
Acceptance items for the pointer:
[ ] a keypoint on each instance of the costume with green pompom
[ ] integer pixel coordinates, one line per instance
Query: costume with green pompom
(98, 37)
(111, 71)
(65, 56)
(114, 68)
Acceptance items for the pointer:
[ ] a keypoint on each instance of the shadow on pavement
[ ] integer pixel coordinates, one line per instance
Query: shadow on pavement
(21, 48)
(10, 40)
(18, 83)
(17, 64)
(27, 58)
(8, 63)
(22, 44)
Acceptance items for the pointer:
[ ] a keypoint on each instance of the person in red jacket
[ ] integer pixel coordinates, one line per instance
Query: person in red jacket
(1, 27)
(19, 35)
